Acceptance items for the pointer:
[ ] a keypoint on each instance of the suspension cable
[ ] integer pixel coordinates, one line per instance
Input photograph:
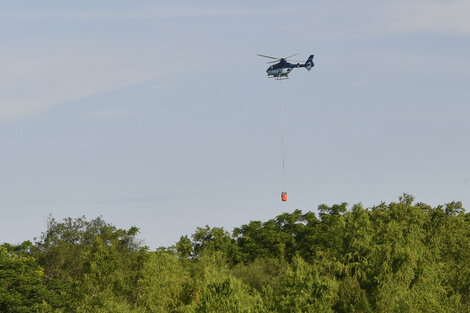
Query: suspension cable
(283, 139)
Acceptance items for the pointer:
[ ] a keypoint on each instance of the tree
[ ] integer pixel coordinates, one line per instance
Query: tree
(207, 240)
(87, 262)
(228, 295)
(306, 289)
(184, 247)
(161, 283)
(21, 284)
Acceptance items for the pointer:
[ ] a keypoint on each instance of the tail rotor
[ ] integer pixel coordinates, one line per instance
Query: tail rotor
(309, 63)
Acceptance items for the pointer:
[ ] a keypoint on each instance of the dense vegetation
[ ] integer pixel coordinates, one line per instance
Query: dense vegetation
(397, 257)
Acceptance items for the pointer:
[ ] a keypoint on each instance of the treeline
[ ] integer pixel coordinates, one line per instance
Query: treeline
(396, 257)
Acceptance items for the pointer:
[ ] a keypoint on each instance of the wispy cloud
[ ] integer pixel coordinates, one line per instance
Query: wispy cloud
(33, 82)
(36, 78)
(39, 75)
(112, 113)
(147, 13)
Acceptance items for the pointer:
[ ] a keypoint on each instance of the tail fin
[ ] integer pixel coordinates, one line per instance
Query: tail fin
(309, 63)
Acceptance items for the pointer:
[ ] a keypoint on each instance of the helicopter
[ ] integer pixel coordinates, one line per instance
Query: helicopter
(282, 68)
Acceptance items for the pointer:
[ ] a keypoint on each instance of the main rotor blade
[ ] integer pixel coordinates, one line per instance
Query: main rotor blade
(273, 61)
(290, 56)
(267, 56)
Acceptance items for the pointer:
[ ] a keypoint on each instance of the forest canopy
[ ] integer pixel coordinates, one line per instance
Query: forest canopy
(403, 256)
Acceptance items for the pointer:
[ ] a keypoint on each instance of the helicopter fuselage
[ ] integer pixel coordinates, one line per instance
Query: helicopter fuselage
(279, 71)
(282, 68)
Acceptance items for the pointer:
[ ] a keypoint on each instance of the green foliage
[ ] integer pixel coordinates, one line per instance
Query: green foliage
(214, 288)
(351, 297)
(207, 240)
(104, 302)
(228, 295)
(282, 237)
(306, 289)
(65, 245)
(161, 283)
(262, 273)
(89, 263)
(396, 257)
(184, 247)
(21, 283)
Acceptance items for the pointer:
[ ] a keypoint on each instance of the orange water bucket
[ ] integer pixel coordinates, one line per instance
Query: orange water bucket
(284, 196)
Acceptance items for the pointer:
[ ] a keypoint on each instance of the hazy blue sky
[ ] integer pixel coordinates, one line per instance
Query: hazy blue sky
(160, 115)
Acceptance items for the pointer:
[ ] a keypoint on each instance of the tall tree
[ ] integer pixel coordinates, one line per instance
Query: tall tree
(21, 284)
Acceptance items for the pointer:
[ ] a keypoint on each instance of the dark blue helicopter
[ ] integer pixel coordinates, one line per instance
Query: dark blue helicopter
(282, 68)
